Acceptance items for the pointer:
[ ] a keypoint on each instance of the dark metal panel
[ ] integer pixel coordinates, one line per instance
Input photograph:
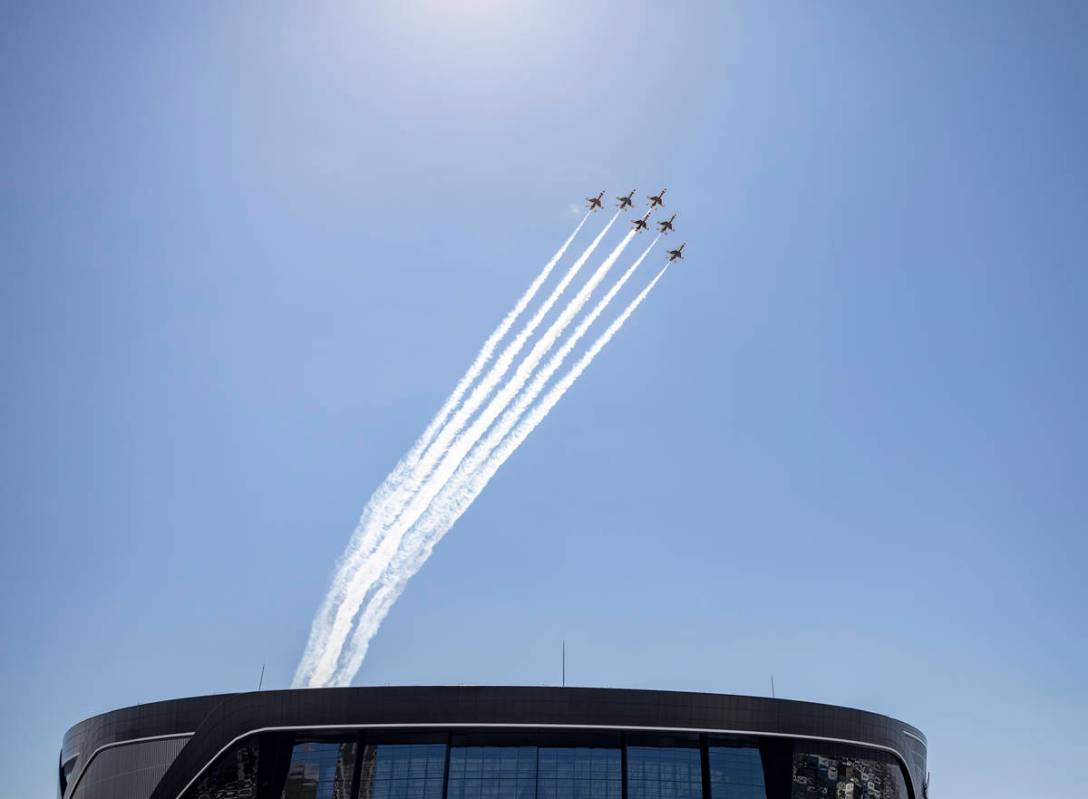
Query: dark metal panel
(127, 771)
(155, 719)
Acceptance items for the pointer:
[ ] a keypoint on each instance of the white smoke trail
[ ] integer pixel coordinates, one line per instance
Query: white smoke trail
(458, 495)
(366, 579)
(494, 376)
(528, 396)
(371, 547)
(518, 407)
(379, 504)
(488, 349)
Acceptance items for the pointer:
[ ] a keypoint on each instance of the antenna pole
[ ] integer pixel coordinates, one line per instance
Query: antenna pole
(260, 680)
(564, 664)
(772, 687)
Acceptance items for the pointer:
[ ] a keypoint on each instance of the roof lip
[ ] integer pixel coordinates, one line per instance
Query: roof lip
(121, 712)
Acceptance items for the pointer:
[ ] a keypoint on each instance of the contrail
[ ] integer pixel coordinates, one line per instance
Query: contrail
(379, 502)
(518, 407)
(488, 349)
(389, 544)
(494, 376)
(482, 450)
(458, 495)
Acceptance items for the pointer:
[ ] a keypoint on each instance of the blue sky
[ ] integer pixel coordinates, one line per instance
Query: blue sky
(248, 248)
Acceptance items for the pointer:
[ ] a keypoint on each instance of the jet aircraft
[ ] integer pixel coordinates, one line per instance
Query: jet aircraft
(593, 203)
(640, 224)
(626, 202)
(665, 225)
(677, 254)
(656, 199)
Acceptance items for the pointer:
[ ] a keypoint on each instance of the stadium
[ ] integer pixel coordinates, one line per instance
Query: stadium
(477, 742)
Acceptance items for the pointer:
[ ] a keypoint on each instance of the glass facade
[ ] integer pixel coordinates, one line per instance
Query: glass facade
(535, 772)
(522, 765)
(664, 772)
(844, 772)
(736, 772)
(579, 772)
(233, 775)
(320, 770)
(490, 772)
(403, 771)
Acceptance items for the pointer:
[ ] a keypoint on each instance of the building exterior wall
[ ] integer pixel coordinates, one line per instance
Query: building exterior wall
(492, 743)
(544, 765)
(127, 769)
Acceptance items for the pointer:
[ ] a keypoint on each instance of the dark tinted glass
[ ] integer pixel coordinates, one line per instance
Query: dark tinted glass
(845, 773)
(515, 765)
(579, 773)
(663, 772)
(492, 772)
(320, 770)
(402, 771)
(736, 772)
(232, 776)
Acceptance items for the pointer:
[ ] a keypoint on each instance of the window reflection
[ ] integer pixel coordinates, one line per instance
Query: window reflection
(842, 773)
(664, 772)
(531, 766)
(402, 771)
(320, 770)
(233, 776)
(579, 773)
(492, 772)
(736, 772)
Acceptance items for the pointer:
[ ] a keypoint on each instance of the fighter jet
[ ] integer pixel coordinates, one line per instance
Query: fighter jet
(665, 225)
(677, 254)
(640, 224)
(626, 202)
(593, 203)
(656, 199)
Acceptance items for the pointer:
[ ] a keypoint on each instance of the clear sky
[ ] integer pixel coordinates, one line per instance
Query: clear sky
(247, 248)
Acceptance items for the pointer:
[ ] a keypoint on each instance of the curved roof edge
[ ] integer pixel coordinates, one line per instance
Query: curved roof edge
(218, 720)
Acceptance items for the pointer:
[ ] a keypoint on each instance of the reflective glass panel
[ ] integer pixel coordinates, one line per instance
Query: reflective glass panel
(736, 772)
(232, 776)
(402, 771)
(844, 774)
(579, 773)
(664, 772)
(320, 770)
(492, 772)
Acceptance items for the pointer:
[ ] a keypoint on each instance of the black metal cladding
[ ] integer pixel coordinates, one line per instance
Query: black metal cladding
(128, 770)
(537, 717)
(93, 738)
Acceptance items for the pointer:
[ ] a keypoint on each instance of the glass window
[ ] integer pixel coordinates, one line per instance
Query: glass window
(736, 772)
(579, 773)
(845, 773)
(492, 772)
(320, 770)
(402, 771)
(232, 776)
(664, 772)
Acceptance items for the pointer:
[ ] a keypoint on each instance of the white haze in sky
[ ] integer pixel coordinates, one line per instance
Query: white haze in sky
(449, 465)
